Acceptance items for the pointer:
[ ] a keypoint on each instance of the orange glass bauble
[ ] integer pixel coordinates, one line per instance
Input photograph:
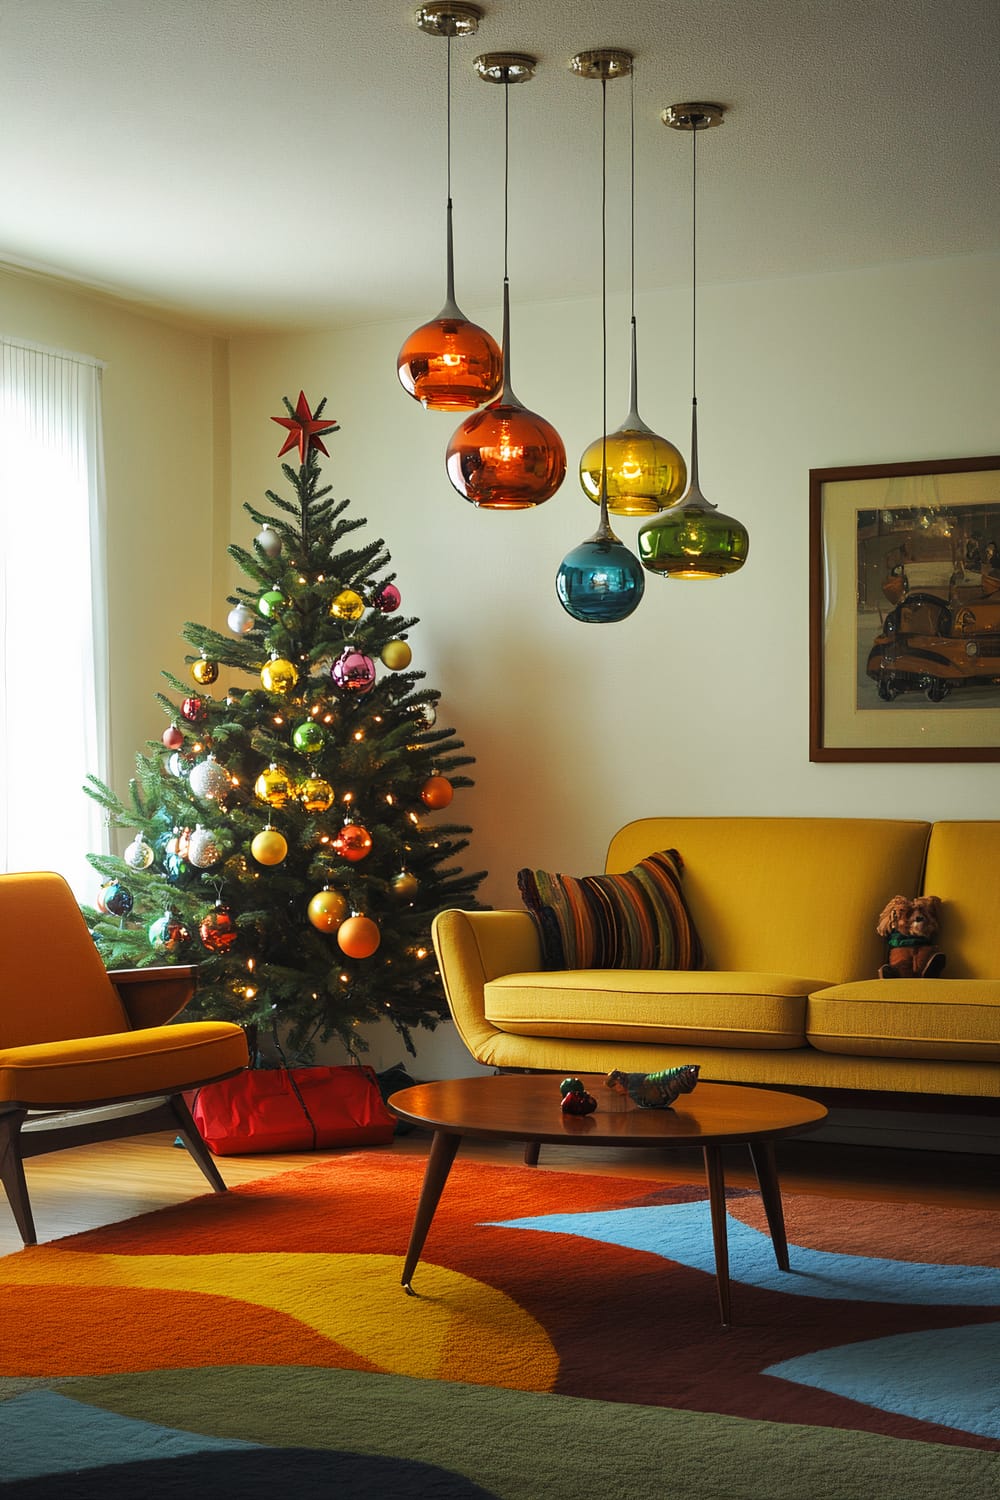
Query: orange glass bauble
(358, 937)
(437, 792)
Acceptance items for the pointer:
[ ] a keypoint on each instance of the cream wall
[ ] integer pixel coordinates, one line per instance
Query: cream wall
(166, 459)
(699, 702)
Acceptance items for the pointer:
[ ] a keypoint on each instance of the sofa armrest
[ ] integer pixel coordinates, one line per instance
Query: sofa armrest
(473, 947)
(154, 996)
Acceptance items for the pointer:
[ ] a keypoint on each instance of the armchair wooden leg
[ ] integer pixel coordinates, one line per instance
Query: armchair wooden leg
(192, 1138)
(12, 1173)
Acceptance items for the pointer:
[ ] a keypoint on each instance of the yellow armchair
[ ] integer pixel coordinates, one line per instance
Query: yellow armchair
(87, 1055)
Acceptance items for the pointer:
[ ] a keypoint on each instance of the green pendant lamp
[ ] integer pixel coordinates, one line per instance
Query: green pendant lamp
(694, 540)
(644, 473)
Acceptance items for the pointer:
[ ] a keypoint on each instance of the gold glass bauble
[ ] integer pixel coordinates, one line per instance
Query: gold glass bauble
(404, 885)
(348, 605)
(204, 671)
(278, 675)
(315, 794)
(327, 910)
(273, 786)
(269, 847)
(396, 655)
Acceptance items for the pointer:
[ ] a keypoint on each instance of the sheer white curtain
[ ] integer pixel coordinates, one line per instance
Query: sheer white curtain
(53, 619)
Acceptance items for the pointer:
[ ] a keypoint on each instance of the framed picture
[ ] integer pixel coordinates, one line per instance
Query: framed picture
(904, 611)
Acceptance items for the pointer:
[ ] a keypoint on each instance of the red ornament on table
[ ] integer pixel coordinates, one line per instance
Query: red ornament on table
(304, 430)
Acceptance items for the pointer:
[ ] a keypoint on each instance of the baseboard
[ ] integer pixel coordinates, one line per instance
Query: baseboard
(975, 1135)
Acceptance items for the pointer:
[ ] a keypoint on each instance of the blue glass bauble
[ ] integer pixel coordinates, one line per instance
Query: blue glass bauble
(600, 581)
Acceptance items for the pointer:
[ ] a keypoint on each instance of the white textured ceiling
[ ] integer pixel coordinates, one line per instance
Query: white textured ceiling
(280, 163)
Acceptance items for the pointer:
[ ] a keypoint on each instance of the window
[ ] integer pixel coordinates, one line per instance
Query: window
(53, 631)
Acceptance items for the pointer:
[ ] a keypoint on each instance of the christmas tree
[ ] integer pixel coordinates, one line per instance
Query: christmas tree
(287, 832)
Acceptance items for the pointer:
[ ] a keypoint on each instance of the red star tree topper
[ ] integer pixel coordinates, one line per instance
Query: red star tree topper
(304, 430)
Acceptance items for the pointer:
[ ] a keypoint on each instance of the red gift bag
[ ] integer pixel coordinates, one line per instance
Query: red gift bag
(293, 1109)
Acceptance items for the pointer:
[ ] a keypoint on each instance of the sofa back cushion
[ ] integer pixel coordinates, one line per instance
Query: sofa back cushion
(633, 920)
(786, 895)
(963, 868)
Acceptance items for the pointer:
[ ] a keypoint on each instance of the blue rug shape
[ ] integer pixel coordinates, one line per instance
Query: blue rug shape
(44, 1432)
(682, 1232)
(944, 1375)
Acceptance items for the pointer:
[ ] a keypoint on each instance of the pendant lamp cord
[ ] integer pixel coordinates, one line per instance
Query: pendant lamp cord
(448, 119)
(506, 165)
(631, 79)
(694, 260)
(605, 526)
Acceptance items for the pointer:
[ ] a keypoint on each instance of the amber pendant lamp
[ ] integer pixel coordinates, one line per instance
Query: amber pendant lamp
(601, 581)
(506, 457)
(694, 540)
(644, 473)
(450, 364)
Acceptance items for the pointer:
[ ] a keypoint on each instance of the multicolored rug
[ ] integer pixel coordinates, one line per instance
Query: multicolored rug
(564, 1342)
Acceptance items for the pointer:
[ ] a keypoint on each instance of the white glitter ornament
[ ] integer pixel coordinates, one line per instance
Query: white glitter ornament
(209, 780)
(203, 849)
(138, 855)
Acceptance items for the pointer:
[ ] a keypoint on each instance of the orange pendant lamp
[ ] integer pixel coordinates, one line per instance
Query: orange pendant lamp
(694, 540)
(643, 472)
(450, 364)
(506, 457)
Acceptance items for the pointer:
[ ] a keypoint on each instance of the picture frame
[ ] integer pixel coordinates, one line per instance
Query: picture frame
(904, 611)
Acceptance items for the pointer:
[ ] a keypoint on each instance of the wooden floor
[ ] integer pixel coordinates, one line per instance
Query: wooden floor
(93, 1185)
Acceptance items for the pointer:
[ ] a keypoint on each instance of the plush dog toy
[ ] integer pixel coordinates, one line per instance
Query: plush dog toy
(910, 924)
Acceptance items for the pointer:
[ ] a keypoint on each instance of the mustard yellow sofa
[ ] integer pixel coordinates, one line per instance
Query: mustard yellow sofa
(786, 910)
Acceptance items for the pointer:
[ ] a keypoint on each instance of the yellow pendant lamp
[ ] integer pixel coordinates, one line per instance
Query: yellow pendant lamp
(694, 540)
(644, 473)
(450, 364)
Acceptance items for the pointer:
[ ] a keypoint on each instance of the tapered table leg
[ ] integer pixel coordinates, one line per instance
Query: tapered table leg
(720, 1240)
(764, 1164)
(444, 1148)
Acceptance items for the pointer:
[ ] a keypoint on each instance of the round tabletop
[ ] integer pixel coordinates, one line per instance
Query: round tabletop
(527, 1107)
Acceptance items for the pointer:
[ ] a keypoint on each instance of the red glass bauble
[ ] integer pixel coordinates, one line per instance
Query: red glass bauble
(172, 737)
(218, 930)
(437, 791)
(193, 709)
(388, 599)
(450, 364)
(358, 937)
(353, 842)
(506, 458)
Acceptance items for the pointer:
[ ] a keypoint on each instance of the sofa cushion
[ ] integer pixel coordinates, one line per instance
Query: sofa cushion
(942, 1018)
(639, 1005)
(636, 920)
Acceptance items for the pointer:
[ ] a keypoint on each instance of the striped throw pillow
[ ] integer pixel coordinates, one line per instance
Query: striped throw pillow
(633, 921)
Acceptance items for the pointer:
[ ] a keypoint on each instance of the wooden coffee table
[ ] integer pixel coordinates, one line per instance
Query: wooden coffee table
(526, 1107)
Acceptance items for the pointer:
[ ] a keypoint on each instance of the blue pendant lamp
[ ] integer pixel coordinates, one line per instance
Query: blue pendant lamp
(694, 540)
(450, 364)
(600, 581)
